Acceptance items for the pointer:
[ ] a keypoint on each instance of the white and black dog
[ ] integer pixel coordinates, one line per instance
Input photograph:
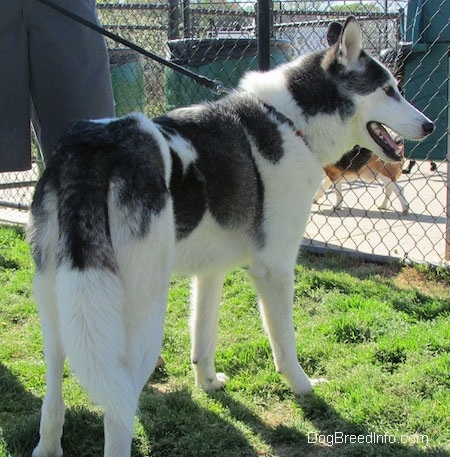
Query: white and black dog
(124, 202)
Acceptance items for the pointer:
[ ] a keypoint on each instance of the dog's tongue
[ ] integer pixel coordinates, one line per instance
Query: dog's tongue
(387, 138)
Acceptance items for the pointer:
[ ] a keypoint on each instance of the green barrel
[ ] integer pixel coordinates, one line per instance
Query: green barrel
(426, 73)
(427, 21)
(426, 87)
(222, 59)
(127, 79)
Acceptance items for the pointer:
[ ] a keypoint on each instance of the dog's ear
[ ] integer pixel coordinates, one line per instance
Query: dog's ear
(350, 42)
(333, 33)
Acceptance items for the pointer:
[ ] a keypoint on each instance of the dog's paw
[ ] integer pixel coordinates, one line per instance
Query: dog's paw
(39, 451)
(213, 383)
(317, 381)
(307, 388)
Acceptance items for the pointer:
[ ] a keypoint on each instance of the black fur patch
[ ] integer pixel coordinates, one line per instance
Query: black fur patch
(88, 158)
(40, 217)
(354, 160)
(372, 78)
(317, 91)
(224, 178)
(323, 85)
(262, 129)
(188, 192)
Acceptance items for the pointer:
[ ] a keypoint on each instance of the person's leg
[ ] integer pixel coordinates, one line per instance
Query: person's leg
(14, 98)
(69, 68)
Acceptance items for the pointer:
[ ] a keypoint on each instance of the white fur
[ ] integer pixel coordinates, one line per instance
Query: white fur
(148, 126)
(110, 322)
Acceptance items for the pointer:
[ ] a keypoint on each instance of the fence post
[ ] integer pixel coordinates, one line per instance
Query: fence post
(263, 30)
(174, 20)
(447, 158)
(186, 19)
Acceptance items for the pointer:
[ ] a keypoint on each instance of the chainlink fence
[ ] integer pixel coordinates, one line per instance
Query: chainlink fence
(218, 39)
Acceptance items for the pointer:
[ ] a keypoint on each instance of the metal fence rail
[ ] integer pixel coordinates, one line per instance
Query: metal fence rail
(219, 40)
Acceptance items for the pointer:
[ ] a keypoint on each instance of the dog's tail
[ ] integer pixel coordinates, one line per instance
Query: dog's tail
(89, 304)
(74, 255)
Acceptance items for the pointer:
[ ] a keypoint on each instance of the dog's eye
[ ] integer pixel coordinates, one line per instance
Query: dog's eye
(389, 91)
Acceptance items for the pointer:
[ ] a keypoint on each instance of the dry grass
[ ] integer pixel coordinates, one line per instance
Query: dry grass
(419, 279)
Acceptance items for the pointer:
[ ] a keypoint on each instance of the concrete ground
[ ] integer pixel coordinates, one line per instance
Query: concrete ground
(359, 227)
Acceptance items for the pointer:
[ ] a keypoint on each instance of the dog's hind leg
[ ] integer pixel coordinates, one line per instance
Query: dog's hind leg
(275, 285)
(205, 302)
(387, 197)
(392, 187)
(145, 266)
(52, 416)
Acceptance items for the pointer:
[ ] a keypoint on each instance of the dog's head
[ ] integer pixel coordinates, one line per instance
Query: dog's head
(375, 105)
(341, 97)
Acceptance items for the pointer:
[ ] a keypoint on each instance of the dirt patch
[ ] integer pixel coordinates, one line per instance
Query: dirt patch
(412, 277)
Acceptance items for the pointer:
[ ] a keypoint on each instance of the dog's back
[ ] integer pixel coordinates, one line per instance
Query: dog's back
(349, 166)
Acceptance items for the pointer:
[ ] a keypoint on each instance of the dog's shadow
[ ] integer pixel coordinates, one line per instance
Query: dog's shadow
(174, 423)
(20, 413)
(328, 431)
(389, 215)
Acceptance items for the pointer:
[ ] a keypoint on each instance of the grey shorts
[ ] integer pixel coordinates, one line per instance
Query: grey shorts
(53, 71)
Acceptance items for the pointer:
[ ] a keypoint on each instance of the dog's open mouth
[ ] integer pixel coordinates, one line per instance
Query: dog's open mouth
(380, 135)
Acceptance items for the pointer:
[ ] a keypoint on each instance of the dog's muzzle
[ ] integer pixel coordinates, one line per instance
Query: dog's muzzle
(381, 136)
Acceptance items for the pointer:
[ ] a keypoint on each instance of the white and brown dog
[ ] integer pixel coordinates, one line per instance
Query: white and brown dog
(360, 163)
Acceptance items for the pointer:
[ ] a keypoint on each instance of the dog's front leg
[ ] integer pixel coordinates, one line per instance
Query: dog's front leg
(339, 196)
(324, 186)
(205, 302)
(275, 287)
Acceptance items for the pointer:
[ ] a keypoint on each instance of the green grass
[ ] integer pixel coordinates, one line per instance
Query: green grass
(379, 333)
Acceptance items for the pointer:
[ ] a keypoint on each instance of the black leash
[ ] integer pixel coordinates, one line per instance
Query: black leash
(214, 85)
